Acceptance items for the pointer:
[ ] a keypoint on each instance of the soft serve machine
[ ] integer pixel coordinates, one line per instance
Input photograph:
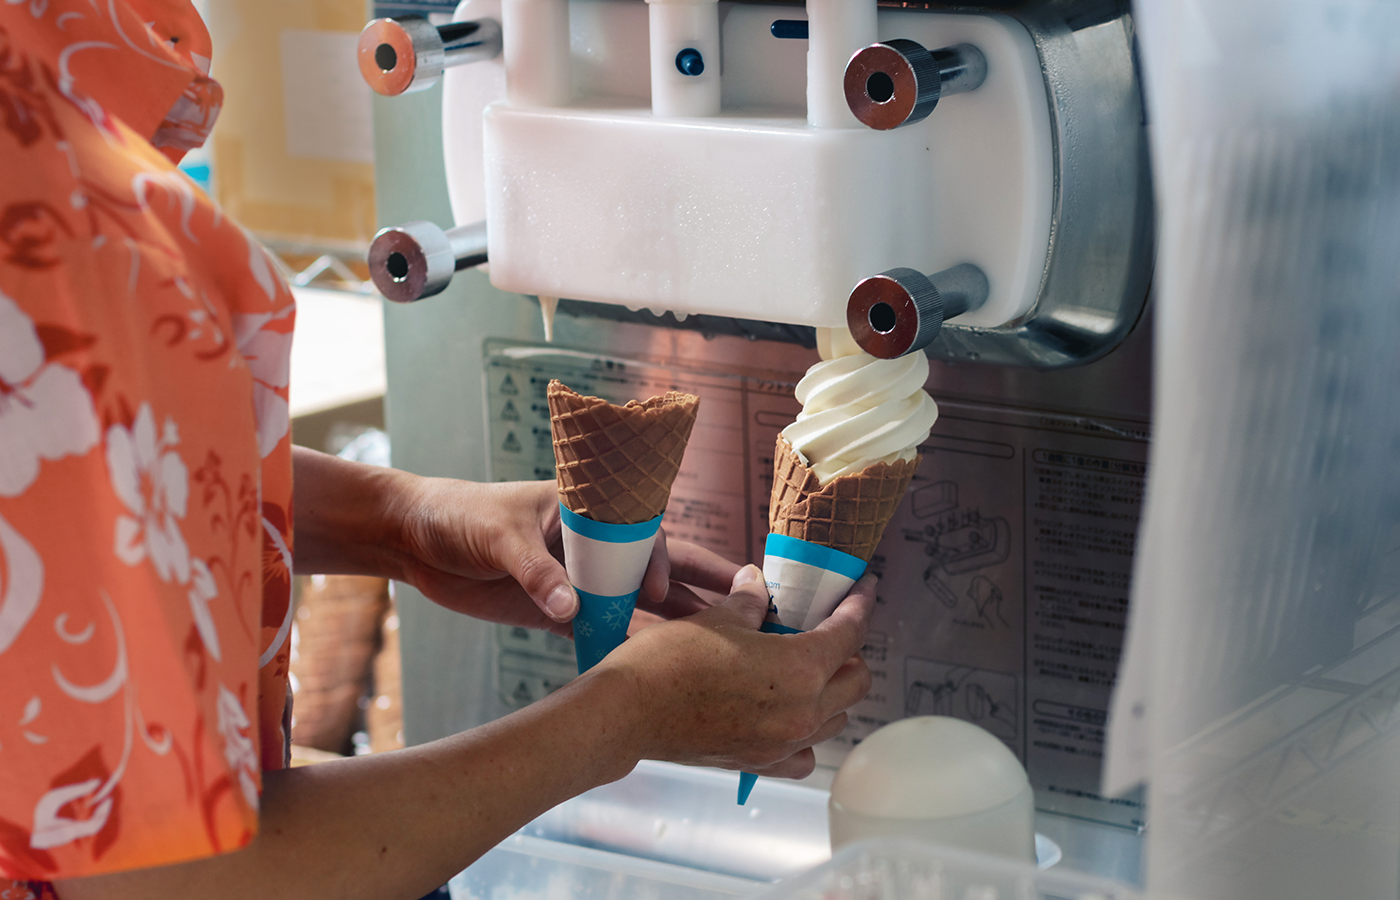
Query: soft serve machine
(692, 194)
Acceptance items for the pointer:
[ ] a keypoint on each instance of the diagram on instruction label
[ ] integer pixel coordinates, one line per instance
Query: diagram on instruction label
(960, 541)
(980, 696)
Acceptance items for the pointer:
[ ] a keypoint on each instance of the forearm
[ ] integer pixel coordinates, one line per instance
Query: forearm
(481, 549)
(347, 516)
(397, 825)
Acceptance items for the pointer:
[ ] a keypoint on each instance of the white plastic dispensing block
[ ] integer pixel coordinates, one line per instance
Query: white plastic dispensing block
(752, 213)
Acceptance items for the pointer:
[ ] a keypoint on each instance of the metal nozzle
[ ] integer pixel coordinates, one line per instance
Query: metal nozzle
(900, 311)
(899, 82)
(418, 259)
(399, 56)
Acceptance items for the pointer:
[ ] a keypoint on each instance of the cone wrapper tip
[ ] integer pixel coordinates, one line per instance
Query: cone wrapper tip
(746, 782)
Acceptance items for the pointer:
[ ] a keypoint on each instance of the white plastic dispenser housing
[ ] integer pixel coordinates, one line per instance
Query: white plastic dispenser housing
(745, 161)
(934, 779)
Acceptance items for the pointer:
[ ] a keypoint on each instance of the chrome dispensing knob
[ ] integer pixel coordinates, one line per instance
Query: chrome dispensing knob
(399, 56)
(900, 311)
(416, 260)
(899, 82)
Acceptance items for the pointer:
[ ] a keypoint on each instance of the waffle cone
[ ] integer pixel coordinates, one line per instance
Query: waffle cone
(848, 513)
(616, 464)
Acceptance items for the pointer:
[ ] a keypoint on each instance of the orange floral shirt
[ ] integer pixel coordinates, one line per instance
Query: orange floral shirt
(145, 464)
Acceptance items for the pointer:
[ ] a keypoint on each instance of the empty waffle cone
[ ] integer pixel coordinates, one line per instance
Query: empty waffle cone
(849, 513)
(616, 464)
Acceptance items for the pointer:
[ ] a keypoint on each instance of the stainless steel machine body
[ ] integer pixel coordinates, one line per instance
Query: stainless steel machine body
(1004, 578)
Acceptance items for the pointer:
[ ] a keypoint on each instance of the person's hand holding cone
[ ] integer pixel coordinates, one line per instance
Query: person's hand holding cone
(615, 466)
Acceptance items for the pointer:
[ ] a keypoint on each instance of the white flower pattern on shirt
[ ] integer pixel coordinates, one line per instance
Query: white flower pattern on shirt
(269, 357)
(53, 829)
(45, 411)
(152, 482)
(202, 590)
(238, 746)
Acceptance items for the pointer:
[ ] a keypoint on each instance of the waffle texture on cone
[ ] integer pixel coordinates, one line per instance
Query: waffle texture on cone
(616, 464)
(849, 513)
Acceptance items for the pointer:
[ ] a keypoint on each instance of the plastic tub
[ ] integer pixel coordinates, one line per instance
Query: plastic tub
(530, 868)
(889, 869)
(672, 832)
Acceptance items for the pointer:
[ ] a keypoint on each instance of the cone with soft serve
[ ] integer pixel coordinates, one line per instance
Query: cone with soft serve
(840, 472)
(615, 466)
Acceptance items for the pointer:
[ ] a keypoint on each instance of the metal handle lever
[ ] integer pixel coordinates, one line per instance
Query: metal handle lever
(416, 260)
(900, 311)
(899, 82)
(399, 56)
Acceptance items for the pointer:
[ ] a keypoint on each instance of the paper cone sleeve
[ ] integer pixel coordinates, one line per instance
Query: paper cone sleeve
(616, 464)
(848, 513)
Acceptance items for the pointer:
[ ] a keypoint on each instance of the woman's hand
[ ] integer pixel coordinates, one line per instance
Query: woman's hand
(713, 690)
(489, 550)
(494, 551)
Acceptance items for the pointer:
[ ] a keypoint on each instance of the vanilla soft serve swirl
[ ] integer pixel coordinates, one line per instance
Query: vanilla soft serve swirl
(858, 410)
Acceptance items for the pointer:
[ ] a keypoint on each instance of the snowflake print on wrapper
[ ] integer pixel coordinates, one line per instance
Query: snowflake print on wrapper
(45, 411)
(584, 629)
(153, 484)
(616, 615)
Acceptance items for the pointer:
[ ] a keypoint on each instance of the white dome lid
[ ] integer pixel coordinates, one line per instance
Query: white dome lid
(928, 767)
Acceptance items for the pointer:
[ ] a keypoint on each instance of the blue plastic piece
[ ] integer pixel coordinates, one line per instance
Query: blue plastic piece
(746, 782)
(690, 62)
(199, 174)
(789, 29)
